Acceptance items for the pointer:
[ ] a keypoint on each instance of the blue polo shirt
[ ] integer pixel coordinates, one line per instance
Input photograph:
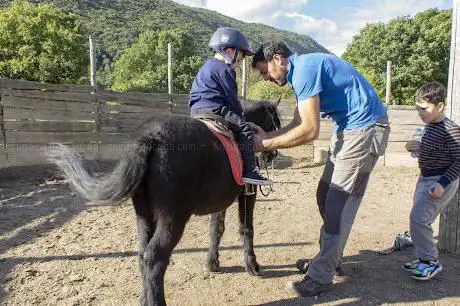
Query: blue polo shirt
(345, 95)
(215, 86)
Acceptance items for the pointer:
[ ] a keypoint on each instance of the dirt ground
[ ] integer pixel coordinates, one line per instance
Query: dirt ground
(54, 250)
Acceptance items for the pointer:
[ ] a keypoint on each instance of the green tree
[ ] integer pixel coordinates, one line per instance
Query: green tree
(418, 48)
(41, 43)
(144, 65)
(264, 90)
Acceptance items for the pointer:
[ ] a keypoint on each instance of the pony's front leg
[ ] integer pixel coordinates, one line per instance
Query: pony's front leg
(246, 211)
(216, 230)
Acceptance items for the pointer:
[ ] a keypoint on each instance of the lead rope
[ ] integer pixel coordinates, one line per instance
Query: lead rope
(270, 189)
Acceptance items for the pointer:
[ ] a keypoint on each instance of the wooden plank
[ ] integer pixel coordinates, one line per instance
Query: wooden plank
(139, 116)
(2, 126)
(114, 122)
(448, 225)
(3, 160)
(404, 117)
(401, 136)
(184, 107)
(133, 97)
(36, 154)
(112, 151)
(395, 128)
(22, 102)
(141, 103)
(131, 108)
(399, 146)
(181, 99)
(50, 126)
(397, 159)
(29, 85)
(146, 104)
(115, 138)
(181, 113)
(13, 137)
(59, 115)
(121, 128)
(51, 95)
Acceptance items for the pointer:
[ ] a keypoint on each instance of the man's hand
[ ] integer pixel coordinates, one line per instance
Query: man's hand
(437, 191)
(413, 145)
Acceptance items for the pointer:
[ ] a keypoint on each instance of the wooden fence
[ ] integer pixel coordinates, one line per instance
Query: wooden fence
(403, 120)
(96, 123)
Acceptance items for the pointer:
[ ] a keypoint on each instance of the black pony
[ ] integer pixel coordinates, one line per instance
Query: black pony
(175, 168)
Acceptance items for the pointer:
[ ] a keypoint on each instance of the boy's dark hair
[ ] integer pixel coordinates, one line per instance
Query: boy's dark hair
(433, 92)
(266, 51)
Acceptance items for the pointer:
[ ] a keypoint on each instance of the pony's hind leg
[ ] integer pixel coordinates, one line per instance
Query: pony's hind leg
(169, 229)
(145, 229)
(216, 230)
(246, 205)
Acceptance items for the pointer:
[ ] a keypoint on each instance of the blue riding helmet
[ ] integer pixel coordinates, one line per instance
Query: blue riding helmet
(226, 37)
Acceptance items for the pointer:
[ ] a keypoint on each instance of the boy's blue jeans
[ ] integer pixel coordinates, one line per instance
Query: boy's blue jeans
(241, 130)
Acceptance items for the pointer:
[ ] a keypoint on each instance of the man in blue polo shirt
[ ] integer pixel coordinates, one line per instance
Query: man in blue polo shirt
(326, 85)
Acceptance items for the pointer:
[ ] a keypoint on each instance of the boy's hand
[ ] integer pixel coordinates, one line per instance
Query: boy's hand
(437, 191)
(257, 129)
(413, 145)
(258, 143)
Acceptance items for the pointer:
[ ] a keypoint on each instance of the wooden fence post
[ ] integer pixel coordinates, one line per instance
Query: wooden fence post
(3, 149)
(170, 77)
(244, 80)
(92, 61)
(388, 89)
(94, 92)
(449, 228)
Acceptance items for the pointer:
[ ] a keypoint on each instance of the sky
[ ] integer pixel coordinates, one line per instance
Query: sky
(332, 23)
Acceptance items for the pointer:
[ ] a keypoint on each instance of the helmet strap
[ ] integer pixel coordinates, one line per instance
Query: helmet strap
(228, 60)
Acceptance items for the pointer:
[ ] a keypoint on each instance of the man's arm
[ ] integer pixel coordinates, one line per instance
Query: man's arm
(304, 128)
(294, 122)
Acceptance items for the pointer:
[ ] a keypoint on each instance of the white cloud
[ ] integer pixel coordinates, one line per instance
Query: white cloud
(333, 34)
(336, 35)
(250, 11)
(383, 10)
(308, 24)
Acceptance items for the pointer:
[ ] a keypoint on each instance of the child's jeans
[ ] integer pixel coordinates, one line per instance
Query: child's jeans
(423, 214)
(241, 130)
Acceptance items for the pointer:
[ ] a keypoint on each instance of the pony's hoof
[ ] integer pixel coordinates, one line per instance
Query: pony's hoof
(252, 267)
(213, 265)
(253, 270)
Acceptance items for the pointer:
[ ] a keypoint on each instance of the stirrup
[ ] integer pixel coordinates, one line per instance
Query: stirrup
(249, 189)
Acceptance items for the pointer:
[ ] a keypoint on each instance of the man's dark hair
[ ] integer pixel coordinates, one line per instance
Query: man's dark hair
(266, 51)
(433, 92)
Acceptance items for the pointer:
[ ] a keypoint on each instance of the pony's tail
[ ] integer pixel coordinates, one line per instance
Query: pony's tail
(111, 188)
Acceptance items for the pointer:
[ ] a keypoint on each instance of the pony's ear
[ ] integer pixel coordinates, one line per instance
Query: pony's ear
(279, 101)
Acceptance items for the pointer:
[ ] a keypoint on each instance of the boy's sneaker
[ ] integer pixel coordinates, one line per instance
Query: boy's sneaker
(411, 266)
(427, 270)
(254, 178)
